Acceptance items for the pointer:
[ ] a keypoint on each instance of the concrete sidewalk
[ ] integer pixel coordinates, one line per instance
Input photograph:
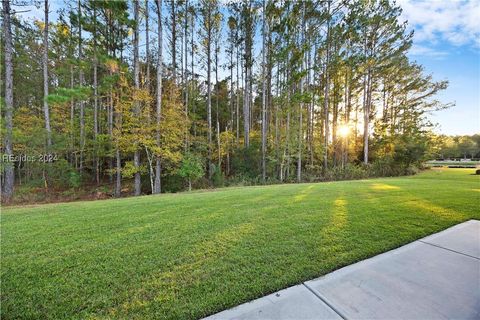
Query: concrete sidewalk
(437, 277)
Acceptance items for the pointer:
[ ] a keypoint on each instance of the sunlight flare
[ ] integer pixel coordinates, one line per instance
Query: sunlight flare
(343, 131)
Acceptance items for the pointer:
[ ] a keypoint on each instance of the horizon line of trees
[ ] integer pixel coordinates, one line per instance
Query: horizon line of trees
(163, 93)
(458, 147)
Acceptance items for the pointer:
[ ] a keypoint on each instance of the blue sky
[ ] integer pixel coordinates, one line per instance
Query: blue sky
(447, 44)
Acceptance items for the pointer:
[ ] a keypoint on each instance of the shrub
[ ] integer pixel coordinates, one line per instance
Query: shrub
(29, 193)
(240, 180)
(202, 183)
(217, 177)
(379, 168)
(62, 174)
(411, 170)
(355, 172)
(74, 179)
(173, 183)
(246, 162)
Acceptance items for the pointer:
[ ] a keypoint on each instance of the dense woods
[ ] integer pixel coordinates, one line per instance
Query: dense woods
(137, 97)
(458, 147)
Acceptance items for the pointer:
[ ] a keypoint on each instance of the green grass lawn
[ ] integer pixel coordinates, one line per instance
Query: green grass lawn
(184, 256)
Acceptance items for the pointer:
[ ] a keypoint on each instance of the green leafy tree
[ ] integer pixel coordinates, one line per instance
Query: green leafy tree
(191, 169)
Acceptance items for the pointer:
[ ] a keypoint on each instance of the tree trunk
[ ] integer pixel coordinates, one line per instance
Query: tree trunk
(232, 111)
(136, 76)
(247, 97)
(45, 79)
(72, 120)
(147, 47)
(237, 92)
(9, 166)
(81, 83)
(118, 171)
(246, 113)
(95, 96)
(110, 124)
(217, 102)
(348, 109)
(311, 123)
(209, 92)
(326, 101)
(185, 80)
(264, 106)
(287, 129)
(269, 93)
(355, 131)
(158, 167)
(300, 124)
(335, 120)
(192, 64)
(277, 120)
(173, 17)
(150, 169)
(366, 118)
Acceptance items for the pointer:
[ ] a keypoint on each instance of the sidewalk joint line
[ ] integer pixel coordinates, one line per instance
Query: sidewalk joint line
(329, 304)
(436, 245)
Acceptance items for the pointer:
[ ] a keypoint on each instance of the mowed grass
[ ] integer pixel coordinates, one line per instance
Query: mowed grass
(185, 256)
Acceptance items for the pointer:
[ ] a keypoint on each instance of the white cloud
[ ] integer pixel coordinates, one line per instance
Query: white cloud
(457, 22)
(421, 50)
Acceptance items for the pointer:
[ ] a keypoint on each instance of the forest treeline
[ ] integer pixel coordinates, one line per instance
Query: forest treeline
(158, 96)
(457, 147)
